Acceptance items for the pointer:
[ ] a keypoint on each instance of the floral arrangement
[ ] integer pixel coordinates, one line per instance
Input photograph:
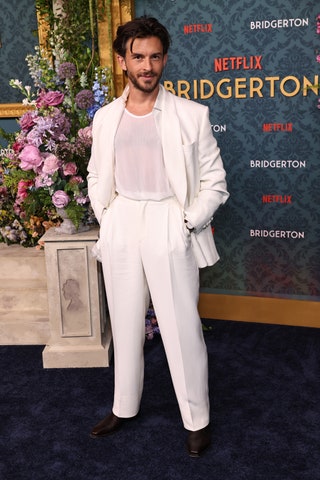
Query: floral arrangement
(44, 166)
(43, 169)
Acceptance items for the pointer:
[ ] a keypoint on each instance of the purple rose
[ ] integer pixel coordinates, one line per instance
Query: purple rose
(27, 121)
(50, 99)
(60, 199)
(30, 158)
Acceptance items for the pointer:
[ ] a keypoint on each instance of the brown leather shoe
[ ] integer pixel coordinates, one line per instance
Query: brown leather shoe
(198, 441)
(109, 425)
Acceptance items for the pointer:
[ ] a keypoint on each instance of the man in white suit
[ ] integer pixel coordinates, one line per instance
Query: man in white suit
(155, 180)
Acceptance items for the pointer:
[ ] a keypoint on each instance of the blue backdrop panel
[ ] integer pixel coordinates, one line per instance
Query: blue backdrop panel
(251, 62)
(18, 37)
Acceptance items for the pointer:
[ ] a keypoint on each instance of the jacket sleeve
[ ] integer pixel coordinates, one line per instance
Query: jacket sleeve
(211, 191)
(93, 173)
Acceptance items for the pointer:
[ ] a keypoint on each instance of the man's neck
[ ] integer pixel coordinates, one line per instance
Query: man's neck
(141, 103)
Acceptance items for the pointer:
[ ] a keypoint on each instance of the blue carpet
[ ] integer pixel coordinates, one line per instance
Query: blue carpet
(265, 401)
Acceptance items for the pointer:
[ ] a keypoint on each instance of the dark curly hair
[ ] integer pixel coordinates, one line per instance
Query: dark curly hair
(141, 27)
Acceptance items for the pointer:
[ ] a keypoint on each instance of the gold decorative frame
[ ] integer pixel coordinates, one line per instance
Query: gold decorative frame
(12, 110)
(121, 12)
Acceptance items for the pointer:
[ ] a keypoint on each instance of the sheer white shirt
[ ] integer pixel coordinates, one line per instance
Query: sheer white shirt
(139, 168)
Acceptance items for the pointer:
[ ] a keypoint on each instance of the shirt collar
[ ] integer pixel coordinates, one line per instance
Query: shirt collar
(158, 102)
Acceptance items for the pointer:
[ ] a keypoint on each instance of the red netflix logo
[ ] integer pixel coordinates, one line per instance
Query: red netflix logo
(284, 199)
(237, 63)
(197, 28)
(277, 127)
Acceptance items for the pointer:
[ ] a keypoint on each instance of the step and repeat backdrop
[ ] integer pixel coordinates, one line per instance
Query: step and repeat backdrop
(255, 65)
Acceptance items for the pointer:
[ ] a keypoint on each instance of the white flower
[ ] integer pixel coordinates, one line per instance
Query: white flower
(15, 83)
(83, 80)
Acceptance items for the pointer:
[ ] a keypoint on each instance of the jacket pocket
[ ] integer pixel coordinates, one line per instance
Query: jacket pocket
(189, 151)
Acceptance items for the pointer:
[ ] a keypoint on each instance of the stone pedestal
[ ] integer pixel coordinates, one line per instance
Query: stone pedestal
(80, 334)
(24, 316)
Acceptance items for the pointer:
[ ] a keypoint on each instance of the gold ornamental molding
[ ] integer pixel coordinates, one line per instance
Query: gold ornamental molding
(12, 110)
(121, 11)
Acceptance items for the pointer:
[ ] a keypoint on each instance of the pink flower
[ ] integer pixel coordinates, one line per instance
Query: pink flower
(17, 146)
(318, 58)
(17, 209)
(81, 199)
(3, 191)
(23, 187)
(43, 181)
(70, 168)
(51, 164)
(27, 121)
(76, 179)
(50, 99)
(30, 158)
(60, 199)
(85, 132)
(85, 135)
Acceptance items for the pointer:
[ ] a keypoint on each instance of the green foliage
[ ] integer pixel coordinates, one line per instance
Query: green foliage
(9, 137)
(74, 29)
(75, 213)
(38, 203)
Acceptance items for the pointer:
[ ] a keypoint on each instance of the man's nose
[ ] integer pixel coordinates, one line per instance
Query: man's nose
(147, 64)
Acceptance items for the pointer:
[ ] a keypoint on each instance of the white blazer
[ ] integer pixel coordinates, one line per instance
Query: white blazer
(191, 157)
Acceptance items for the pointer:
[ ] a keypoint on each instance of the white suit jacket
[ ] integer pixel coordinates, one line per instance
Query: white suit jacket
(191, 157)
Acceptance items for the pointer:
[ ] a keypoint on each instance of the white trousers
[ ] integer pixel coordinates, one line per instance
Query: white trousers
(145, 247)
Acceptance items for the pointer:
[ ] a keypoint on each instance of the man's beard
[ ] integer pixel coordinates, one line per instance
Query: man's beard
(145, 88)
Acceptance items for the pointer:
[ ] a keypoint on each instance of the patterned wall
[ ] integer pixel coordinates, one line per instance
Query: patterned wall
(18, 35)
(251, 58)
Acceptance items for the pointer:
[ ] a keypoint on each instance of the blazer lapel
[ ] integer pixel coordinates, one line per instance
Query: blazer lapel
(109, 129)
(172, 145)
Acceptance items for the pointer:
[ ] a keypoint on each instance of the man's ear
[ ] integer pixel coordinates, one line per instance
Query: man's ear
(122, 63)
(165, 59)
